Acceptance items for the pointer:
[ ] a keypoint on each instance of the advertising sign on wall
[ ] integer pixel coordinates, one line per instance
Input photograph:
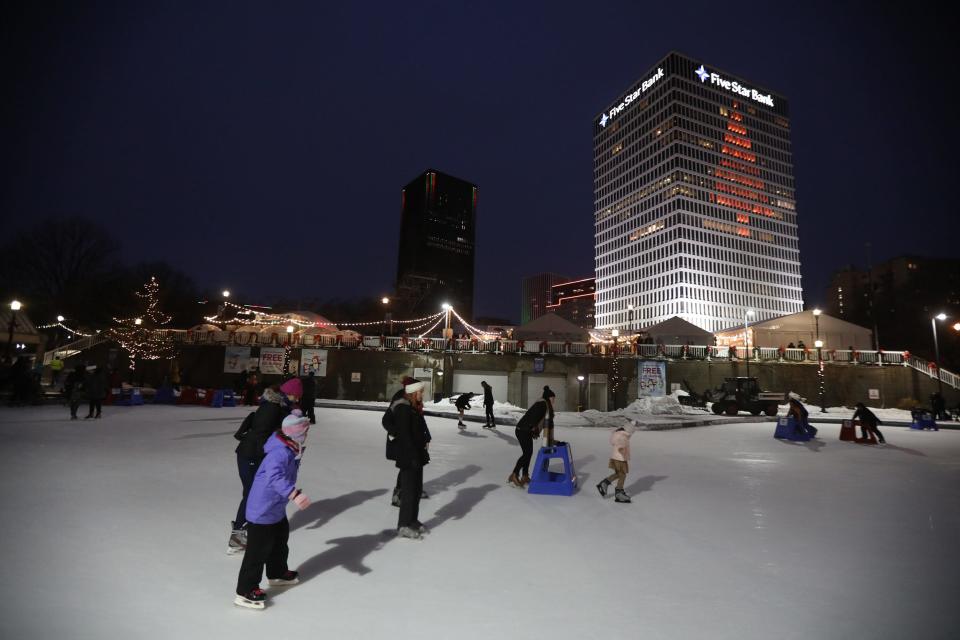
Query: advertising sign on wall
(236, 359)
(651, 378)
(271, 360)
(313, 360)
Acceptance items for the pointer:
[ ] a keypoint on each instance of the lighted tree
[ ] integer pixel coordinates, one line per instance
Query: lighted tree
(142, 336)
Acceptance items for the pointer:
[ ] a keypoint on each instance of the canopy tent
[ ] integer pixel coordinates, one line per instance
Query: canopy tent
(551, 327)
(800, 327)
(676, 330)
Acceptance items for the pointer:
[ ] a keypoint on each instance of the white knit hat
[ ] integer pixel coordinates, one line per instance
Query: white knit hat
(413, 387)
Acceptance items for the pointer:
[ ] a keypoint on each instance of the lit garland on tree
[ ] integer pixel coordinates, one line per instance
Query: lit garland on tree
(141, 336)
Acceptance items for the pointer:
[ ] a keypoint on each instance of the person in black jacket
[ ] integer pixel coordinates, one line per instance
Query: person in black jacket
(800, 414)
(412, 455)
(96, 391)
(262, 424)
(462, 403)
(528, 428)
(488, 405)
(868, 422)
(309, 397)
(74, 389)
(389, 426)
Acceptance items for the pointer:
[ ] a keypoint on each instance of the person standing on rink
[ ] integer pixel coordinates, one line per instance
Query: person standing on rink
(488, 405)
(412, 455)
(528, 428)
(619, 462)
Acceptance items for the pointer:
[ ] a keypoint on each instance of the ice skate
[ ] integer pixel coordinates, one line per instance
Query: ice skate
(409, 533)
(524, 481)
(289, 578)
(460, 425)
(621, 496)
(420, 528)
(602, 487)
(253, 600)
(395, 501)
(514, 480)
(238, 542)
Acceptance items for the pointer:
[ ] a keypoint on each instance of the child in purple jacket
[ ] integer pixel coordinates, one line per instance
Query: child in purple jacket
(267, 525)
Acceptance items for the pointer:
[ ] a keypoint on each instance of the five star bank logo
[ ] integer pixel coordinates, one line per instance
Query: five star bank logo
(702, 74)
(603, 120)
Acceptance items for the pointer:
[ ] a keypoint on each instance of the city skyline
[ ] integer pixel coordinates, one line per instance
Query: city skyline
(257, 144)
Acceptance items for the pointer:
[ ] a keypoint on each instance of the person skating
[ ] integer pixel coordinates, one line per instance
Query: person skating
(73, 388)
(868, 422)
(267, 526)
(412, 455)
(388, 425)
(548, 394)
(488, 405)
(528, 428)
(619, 462)
(96, 391)
(309, 397)
(800, 414)
(263, 422)
(462, 403)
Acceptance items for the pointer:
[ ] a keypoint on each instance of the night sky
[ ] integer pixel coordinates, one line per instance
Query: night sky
(263, 146)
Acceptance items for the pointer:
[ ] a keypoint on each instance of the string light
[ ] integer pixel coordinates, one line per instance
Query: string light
(63, 326)
(271, 319)
(435, 325)
(138, 335)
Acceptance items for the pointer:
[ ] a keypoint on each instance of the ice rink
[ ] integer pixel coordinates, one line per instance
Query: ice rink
(118, 528)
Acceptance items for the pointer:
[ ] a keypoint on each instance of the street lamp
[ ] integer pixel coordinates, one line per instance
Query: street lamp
(138, 321)
(226, 293)
(746, 336)
(387, 315)
(580, 404)
(60, 318)
(14, 307)
(447, 329)
(630, 311)
(936, 349)
(820, 373)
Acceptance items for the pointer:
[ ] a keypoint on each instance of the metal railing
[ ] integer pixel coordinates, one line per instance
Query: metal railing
(534, 348)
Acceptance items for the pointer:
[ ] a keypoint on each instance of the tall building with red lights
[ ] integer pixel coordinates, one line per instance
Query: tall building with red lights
(575, 300)
(694, 206)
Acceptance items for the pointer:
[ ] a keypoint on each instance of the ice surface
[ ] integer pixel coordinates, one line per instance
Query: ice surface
(118, 528)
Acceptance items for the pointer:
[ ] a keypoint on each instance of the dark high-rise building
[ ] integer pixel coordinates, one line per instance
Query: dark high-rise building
(535, 295)
(437, 235)
(694, 207)
(575, 301)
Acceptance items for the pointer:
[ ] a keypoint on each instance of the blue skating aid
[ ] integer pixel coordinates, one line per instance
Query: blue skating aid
(229, 398)
(553, 483)
(788, 429)
(923, 420)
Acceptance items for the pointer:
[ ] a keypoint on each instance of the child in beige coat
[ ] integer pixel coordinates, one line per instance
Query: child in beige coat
(619, 462)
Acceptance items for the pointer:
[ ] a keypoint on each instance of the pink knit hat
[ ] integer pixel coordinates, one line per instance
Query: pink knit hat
(292, 387)
(295, 425)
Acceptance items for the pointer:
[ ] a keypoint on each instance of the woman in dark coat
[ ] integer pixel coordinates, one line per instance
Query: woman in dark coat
(262, 423)
(96, 390)
(73, 388)
(528, 428)
(868, 422)
(488, 405)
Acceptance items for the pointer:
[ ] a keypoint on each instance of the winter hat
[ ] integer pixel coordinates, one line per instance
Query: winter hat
(292, 387)
(413, 387)
(794, 396)
(407, 380)
(547, 393)
(295, 426)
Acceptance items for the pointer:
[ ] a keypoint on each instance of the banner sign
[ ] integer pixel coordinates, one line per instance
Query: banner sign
(271, 360)
(313, 360)
(651, 378)
(236, 359)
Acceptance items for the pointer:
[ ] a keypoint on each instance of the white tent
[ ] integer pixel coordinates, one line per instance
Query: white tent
(800, 327)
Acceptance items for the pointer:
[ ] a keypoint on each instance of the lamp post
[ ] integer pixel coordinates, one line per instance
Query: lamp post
(746, 336)
(14, 307)
(387, 315)
(447, 329)
(580, 404)
(820, 373)
(936, 349)
(630, 312)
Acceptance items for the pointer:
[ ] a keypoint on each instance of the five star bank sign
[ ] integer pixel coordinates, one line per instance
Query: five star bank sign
(704, 75)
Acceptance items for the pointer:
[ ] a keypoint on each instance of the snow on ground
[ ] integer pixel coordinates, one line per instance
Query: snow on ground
(118, 528)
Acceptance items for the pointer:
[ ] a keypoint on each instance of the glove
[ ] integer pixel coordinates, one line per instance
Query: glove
(300, 499)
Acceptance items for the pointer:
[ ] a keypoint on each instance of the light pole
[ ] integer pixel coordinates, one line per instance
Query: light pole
(223, 307)
(936, 349)
(447, 329)
(580, 404)
(387, 315)
(820, 373)
(746, 336)
(14, 307)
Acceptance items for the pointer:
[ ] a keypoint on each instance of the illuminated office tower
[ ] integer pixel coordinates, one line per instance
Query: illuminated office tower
(694, 208)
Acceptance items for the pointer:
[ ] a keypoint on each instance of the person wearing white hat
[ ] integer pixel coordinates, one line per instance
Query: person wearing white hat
(411, 456)
(619, 461)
